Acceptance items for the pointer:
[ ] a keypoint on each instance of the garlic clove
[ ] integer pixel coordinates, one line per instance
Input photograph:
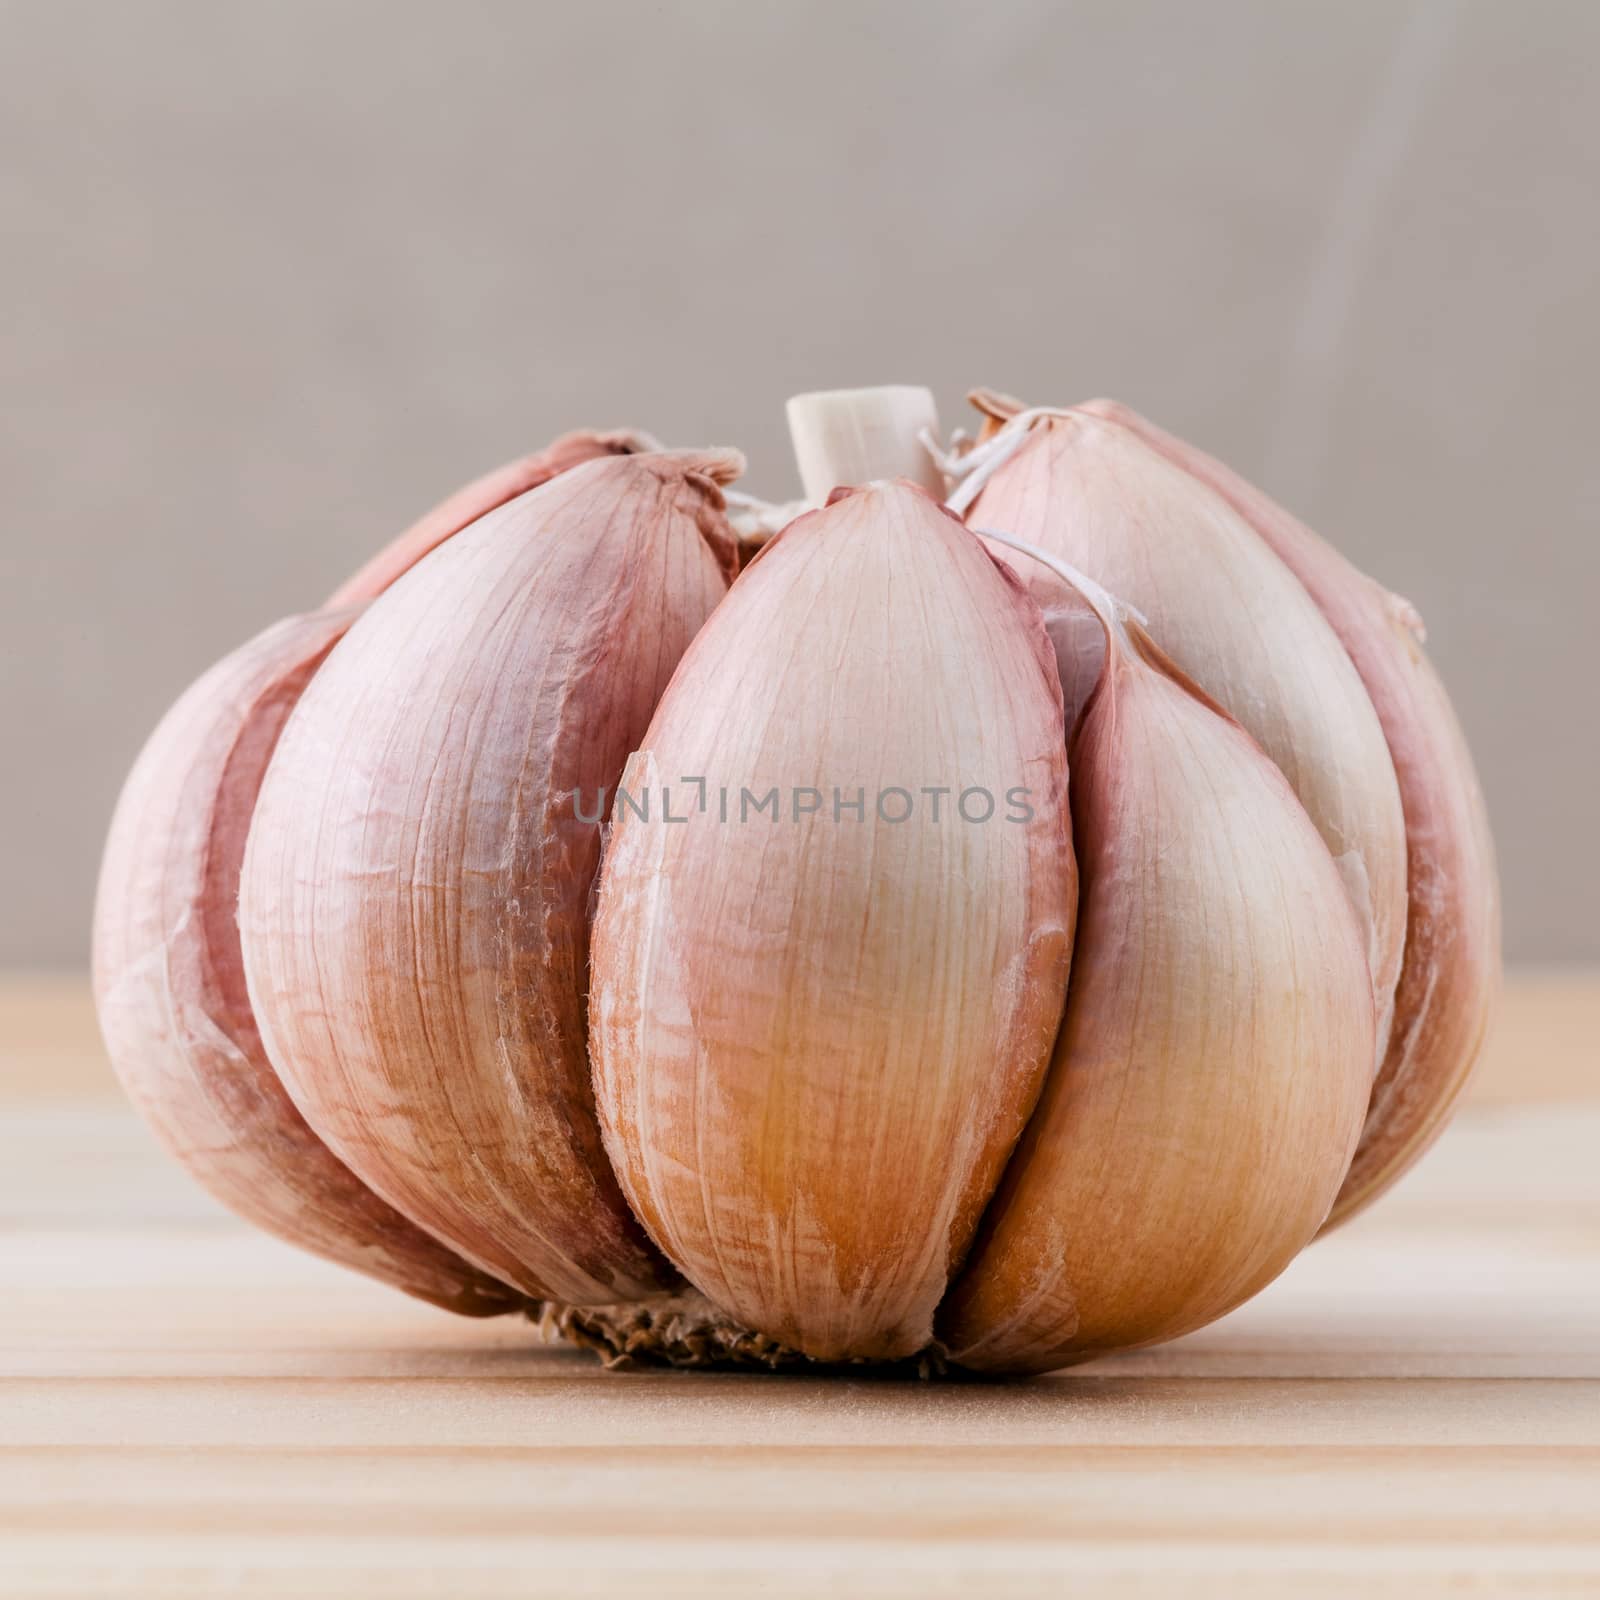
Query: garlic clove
(480, 497)
(170, 986)
(1450, 978)
(414, 905)
(1232, 617)
(817, 1037)
(170, 989)
(1213, 1064)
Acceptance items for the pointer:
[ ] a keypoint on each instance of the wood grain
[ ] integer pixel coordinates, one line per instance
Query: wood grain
(188, 1407)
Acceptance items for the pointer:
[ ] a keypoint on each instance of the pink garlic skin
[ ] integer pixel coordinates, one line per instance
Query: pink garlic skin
(1451, 973)
(477, 499)
(816, 1043)
(169, 980)
(170, 988)
(1234, 618)
(1208, 1083)
(415, 899)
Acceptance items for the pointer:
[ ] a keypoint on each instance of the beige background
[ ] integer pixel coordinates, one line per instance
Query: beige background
(277, 275)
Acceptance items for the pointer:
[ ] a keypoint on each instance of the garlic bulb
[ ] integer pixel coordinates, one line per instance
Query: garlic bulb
(1213, 1066)
(414, 903)
(822, 1061)
(1450, 980)
(169, 976)
(1232, 617)
(818, 1032)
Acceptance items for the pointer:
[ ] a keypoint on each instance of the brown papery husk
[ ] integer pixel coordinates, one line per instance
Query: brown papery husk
(816, 1040)
(1213, 1064)
(414, 905)
(1450, 978)
(170, 988)
(1235, 619)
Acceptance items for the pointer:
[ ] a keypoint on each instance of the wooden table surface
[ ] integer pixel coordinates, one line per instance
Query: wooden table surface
(187, 1407)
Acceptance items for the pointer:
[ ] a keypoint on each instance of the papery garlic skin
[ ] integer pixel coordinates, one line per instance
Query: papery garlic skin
(170, 988)
(1450, 980)
(816, 1039)
(1215, 1057)
(414, 907)
(1236, 620)
(478, 498)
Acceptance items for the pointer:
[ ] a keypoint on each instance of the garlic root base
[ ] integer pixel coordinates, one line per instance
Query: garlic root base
(687, 1330)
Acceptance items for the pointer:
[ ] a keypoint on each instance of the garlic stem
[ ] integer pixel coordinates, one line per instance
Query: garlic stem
(856, 436)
